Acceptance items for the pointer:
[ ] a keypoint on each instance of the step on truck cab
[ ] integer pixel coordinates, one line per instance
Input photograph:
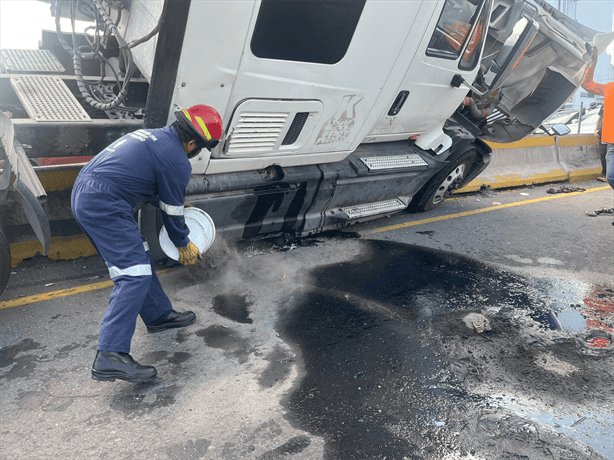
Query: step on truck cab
(335, 111)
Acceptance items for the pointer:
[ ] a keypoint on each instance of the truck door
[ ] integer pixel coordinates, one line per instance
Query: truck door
(315, 67)
(452, 45)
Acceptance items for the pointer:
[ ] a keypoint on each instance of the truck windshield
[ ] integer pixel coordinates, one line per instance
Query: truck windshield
(453, 27)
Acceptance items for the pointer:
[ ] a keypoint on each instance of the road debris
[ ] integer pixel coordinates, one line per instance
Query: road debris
(599, 212)
(565, 189)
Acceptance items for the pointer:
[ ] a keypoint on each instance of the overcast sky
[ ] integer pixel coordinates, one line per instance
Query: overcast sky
(596, 14)
(21, 22)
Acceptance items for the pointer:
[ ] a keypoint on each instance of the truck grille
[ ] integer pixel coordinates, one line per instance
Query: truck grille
(295, 128)
(256, 132)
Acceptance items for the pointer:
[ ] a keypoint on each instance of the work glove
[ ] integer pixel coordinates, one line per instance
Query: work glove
(189, 255)
(593, 53)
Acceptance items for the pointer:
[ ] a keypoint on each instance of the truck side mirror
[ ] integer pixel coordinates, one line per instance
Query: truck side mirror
(560, 129)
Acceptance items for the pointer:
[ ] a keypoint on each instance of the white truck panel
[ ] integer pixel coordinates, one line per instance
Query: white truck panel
(347, 90)
(141, 20)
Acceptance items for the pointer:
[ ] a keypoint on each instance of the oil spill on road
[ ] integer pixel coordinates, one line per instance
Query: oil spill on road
(294, 446)
(360, 374)
(140, 400)
(229, 340)
(280, 364)
(165, 361)
(233, 306)
(13, 366)
(395, 366)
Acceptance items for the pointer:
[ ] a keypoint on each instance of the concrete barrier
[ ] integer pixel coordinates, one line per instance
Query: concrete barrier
(579, 156)
(539, 160)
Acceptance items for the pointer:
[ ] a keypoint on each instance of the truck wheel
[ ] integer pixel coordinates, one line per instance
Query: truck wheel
(442, 185)
(5, 261)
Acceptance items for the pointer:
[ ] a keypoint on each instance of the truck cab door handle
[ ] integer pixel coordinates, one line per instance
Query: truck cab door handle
(398, 103)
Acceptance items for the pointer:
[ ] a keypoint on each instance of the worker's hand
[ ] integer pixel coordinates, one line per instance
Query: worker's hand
(189, 255)
(593, 52)
(187, 205)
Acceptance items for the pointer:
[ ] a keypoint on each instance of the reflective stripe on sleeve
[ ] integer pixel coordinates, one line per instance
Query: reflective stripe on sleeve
(135, 270)
(171, 210)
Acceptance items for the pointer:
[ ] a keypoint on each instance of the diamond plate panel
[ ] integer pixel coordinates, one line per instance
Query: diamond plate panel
(21, 61)
(47, 98)
(393, 162)
(372, 209)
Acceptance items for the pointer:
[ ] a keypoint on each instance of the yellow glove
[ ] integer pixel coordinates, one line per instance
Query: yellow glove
(189, 254)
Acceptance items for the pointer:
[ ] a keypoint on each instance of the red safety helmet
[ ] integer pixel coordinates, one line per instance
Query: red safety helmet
(203, 121)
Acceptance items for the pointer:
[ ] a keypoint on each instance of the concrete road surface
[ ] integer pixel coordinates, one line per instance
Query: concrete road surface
(480, 330)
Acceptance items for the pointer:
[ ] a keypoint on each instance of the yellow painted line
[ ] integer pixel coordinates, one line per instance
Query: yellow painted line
(105, 284)
(62, 293)
(479, 211)
(54, 295)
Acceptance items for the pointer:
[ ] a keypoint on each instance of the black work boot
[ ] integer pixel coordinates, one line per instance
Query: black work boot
(172, 320)
(111, 365)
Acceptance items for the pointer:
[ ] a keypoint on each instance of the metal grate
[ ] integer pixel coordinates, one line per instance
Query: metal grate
(47, 98)
(393, 162)
(295, 128)
(256, 132)
(495, 116)
(20, 61)
(372, 209)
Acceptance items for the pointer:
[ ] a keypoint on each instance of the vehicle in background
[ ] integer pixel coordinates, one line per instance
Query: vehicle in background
(585, 124)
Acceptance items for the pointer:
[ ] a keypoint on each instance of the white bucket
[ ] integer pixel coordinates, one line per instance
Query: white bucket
(202, 232)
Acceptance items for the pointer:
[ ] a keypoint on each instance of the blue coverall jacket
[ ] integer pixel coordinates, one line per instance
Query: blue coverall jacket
(143, 166)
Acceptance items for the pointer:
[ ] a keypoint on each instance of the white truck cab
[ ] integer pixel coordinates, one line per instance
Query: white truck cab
(334, 111)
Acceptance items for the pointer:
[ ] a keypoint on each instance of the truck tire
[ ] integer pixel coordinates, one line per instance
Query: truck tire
(441, 186)
(5, 261)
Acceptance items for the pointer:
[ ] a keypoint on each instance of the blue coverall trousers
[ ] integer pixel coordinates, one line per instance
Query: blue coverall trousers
(609, 164)
(108, 221)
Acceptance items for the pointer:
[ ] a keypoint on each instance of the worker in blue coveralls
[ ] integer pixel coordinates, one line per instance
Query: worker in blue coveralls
(146, 166)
